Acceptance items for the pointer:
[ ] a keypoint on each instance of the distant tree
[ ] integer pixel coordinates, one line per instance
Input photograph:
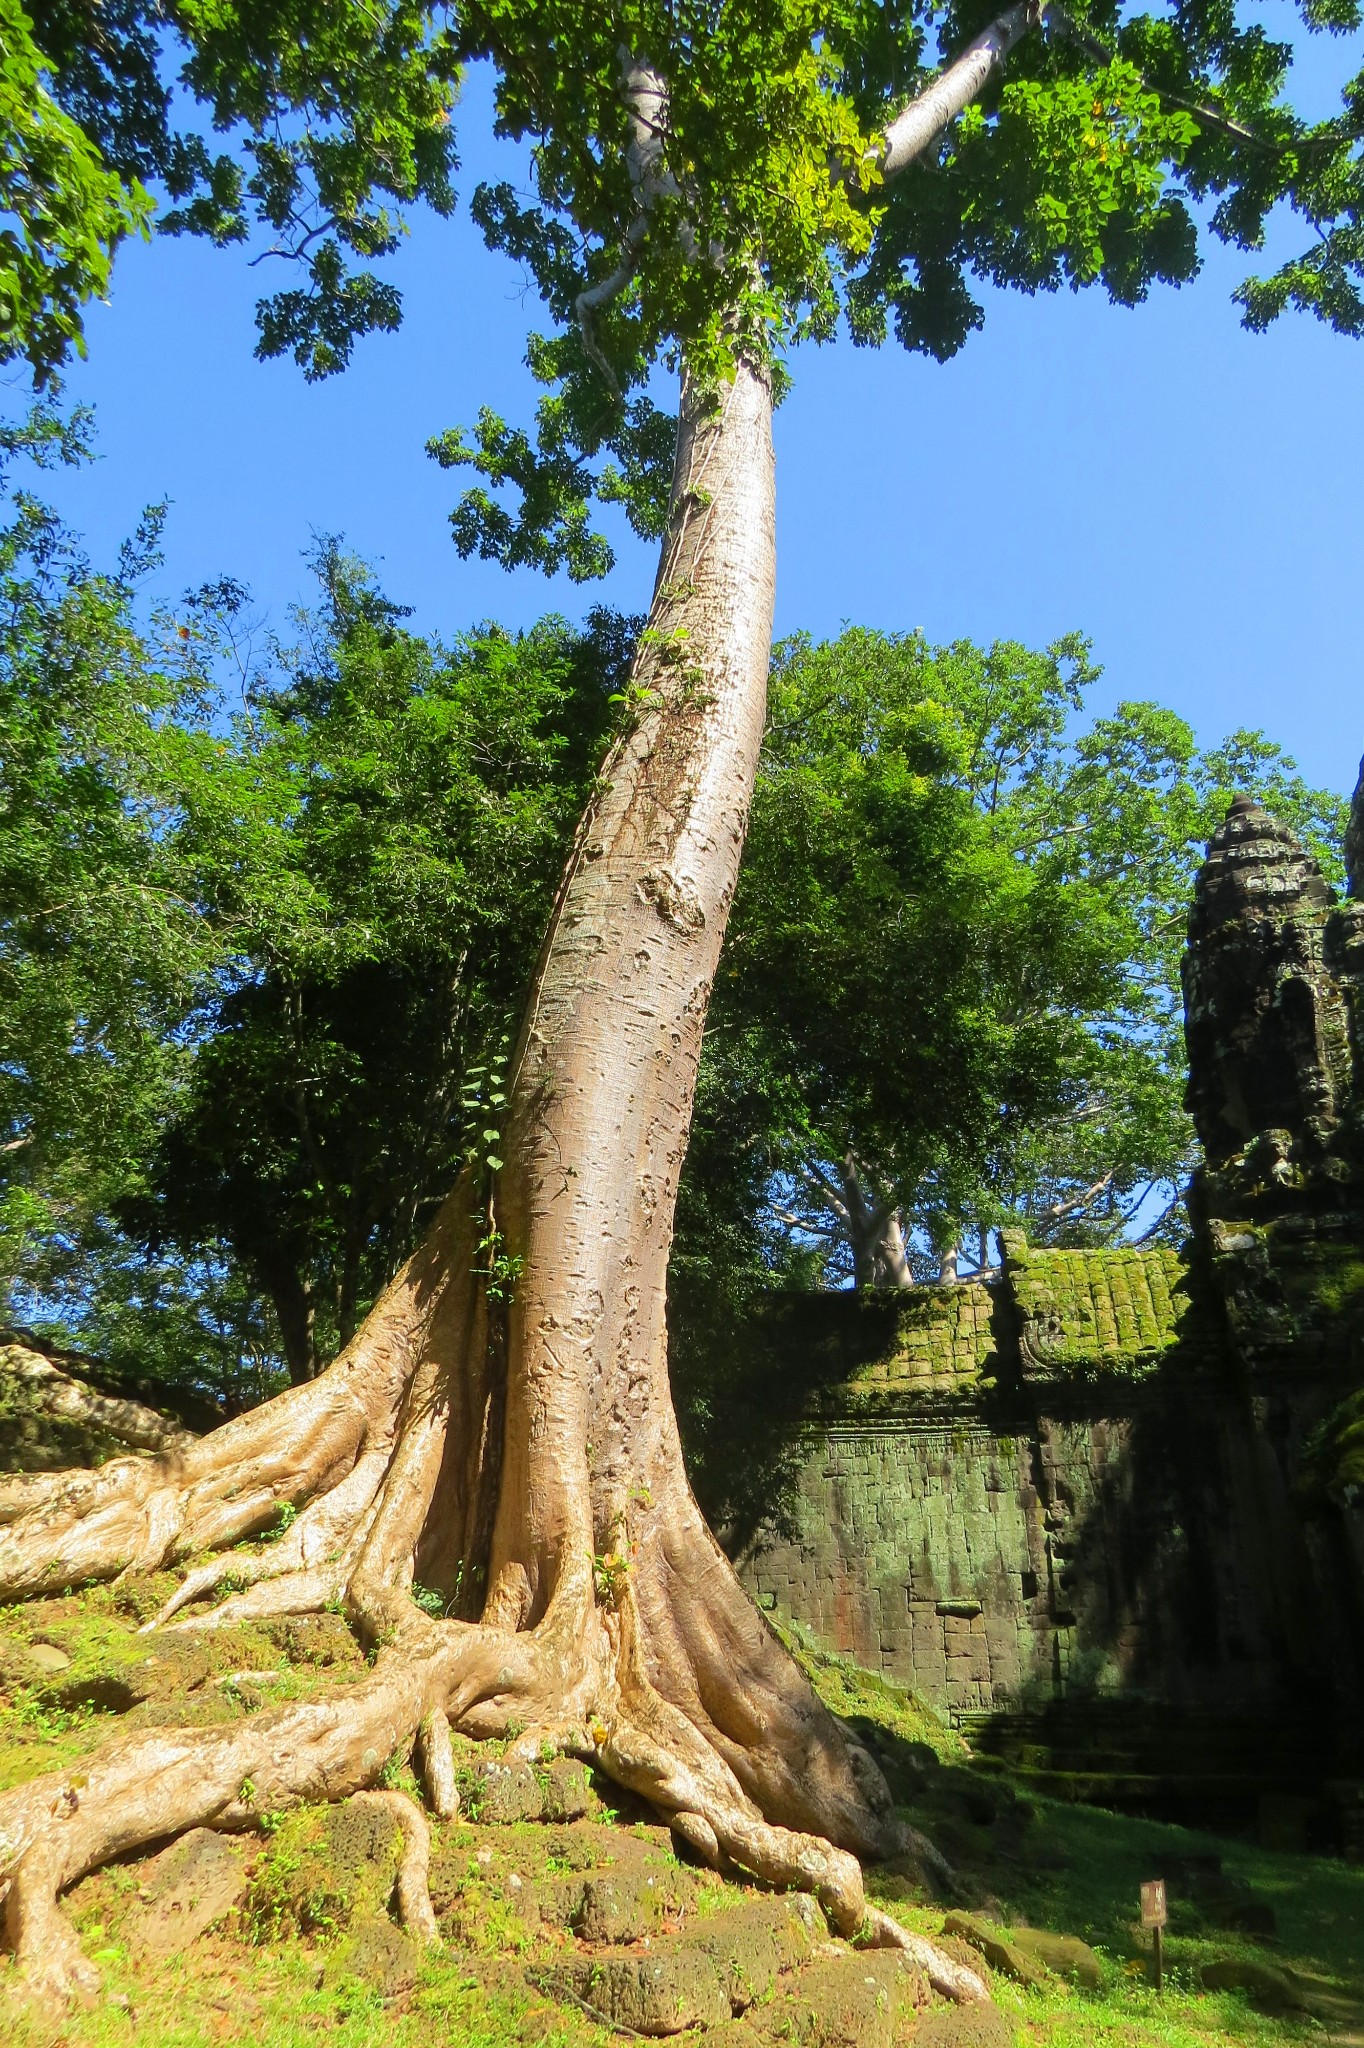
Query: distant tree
(265, 913)
(951, 994)
(101, 954)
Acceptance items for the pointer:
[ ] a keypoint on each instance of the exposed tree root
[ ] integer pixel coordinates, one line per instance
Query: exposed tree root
(521, 1455)
(664, 1676)
(65, 1397)
(413, 1887)
(949, 1979)
(436, 1763)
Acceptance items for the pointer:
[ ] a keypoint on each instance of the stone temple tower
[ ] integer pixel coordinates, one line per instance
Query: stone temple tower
(1274, 1020)
(1265, 1019)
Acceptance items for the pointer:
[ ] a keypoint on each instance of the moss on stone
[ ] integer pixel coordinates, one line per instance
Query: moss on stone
(324, 1867)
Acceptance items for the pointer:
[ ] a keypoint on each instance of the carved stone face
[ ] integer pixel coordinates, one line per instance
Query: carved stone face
(1265, 1019)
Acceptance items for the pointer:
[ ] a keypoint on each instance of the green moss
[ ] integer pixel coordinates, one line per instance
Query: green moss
(1332, 1465)
(1112, 1311)
(323, 1867)
(855, 1695)
(1337, 1280)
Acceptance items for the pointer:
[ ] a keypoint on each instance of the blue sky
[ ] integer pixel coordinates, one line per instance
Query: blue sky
(1187, 494)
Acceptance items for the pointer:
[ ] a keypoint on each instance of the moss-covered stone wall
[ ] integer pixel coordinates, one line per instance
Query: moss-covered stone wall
(1065, 1488)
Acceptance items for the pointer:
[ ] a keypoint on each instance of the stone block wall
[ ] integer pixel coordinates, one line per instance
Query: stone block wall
(1114, 1480)
(1082, 1499)
(944, 1340)
(918, 1553)
(1096, 1311)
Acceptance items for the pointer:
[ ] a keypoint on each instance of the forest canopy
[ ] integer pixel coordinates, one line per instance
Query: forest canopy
(269, 904)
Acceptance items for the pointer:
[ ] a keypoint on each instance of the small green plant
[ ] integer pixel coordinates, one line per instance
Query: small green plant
(286, 1514)
(47, 1722)
(395, 1775)
(502, 1269)
(485, 1092)
(428, 1599)
(635, 697)
(610, 1570)
(611, 1567)
(246, 1793)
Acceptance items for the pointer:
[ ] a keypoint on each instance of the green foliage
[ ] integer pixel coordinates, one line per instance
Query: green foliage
(264, 912)
(101, 955)
(378, 838)
(1087, 164)
(954, 959)
(305, 128)
(69, 210)
(306, 125)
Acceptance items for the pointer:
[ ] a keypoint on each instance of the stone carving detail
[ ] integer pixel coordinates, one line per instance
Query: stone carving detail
(1265, 1020)
(1274, 1020)
(1091, 1540)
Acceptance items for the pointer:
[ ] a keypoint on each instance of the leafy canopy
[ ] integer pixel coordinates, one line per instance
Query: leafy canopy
(1088, 163)
(300, 125)
(748, 207)
(375, 835)
(100, 951)
(265, 911)
(954, 953)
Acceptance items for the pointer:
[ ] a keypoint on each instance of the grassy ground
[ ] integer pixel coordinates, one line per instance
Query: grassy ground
(1078, 1870)
(72, 1670)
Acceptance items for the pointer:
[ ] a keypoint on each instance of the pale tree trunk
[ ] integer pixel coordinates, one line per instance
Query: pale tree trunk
(531, 1448)
(874, 1230)
(502, 1420)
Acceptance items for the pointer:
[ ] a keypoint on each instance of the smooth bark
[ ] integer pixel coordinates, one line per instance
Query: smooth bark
(954, 89)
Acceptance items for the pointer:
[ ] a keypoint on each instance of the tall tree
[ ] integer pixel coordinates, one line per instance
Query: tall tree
(101, 956)
(710, 183)
(266, 912)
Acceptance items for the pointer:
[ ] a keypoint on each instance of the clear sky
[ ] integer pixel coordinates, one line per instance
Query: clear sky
(1187, 494)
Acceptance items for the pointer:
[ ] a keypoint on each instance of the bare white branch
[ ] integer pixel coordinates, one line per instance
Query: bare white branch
(953, 90)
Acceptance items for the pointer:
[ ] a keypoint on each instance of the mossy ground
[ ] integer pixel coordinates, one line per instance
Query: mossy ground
(1072, 1869)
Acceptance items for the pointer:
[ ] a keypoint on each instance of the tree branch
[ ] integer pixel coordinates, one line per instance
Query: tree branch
(646, 101)
(953, 90)
(1058, 1211)
(920, 123)
(814, 1174)
(794, 1222)
(1075, 32)
(1168, 1210)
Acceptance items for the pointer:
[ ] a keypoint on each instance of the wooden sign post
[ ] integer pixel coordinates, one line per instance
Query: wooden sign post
(1154, 1914)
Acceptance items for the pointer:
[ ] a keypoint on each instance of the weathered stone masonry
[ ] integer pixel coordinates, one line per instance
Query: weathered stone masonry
(1049, 1515)
(1081, 1490)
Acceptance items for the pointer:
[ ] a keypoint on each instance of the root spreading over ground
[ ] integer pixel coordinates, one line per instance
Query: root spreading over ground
(642, 1656)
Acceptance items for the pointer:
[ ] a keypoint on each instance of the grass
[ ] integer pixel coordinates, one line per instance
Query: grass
(1030, 1861)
